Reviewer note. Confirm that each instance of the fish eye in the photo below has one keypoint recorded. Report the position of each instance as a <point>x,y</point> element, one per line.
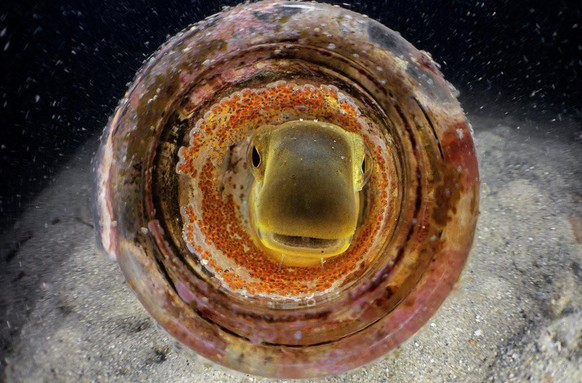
<point>255,157</point>
<point>367,166</point>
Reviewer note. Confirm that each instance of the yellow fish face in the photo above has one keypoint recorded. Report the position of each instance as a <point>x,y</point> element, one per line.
<point>305,200</point>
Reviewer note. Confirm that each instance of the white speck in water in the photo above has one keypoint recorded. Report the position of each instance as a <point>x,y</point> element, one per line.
<point>331,46</point>
<point>36,98</point>
<point>298,335</point>
<point>144,230</point>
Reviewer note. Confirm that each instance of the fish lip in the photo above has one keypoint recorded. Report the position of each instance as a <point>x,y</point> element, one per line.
<point>305,246</point>
<point>301,241</point>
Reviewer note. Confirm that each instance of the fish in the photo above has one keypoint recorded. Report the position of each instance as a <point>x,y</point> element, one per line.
<point>305,200</point>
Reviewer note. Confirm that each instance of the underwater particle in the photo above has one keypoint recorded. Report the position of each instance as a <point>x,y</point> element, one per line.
<point>268,194</point>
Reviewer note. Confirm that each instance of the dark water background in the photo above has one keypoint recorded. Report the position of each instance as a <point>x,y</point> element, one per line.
<point>65,64</point>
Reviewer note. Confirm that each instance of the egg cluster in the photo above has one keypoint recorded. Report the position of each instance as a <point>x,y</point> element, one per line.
<point>214,224</point>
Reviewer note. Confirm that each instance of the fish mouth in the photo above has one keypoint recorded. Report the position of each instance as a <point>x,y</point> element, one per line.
<point>305,246</point>
<point>306,242</point>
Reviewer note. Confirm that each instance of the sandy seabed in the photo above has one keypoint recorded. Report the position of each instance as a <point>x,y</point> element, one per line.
<point>67,315</point>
